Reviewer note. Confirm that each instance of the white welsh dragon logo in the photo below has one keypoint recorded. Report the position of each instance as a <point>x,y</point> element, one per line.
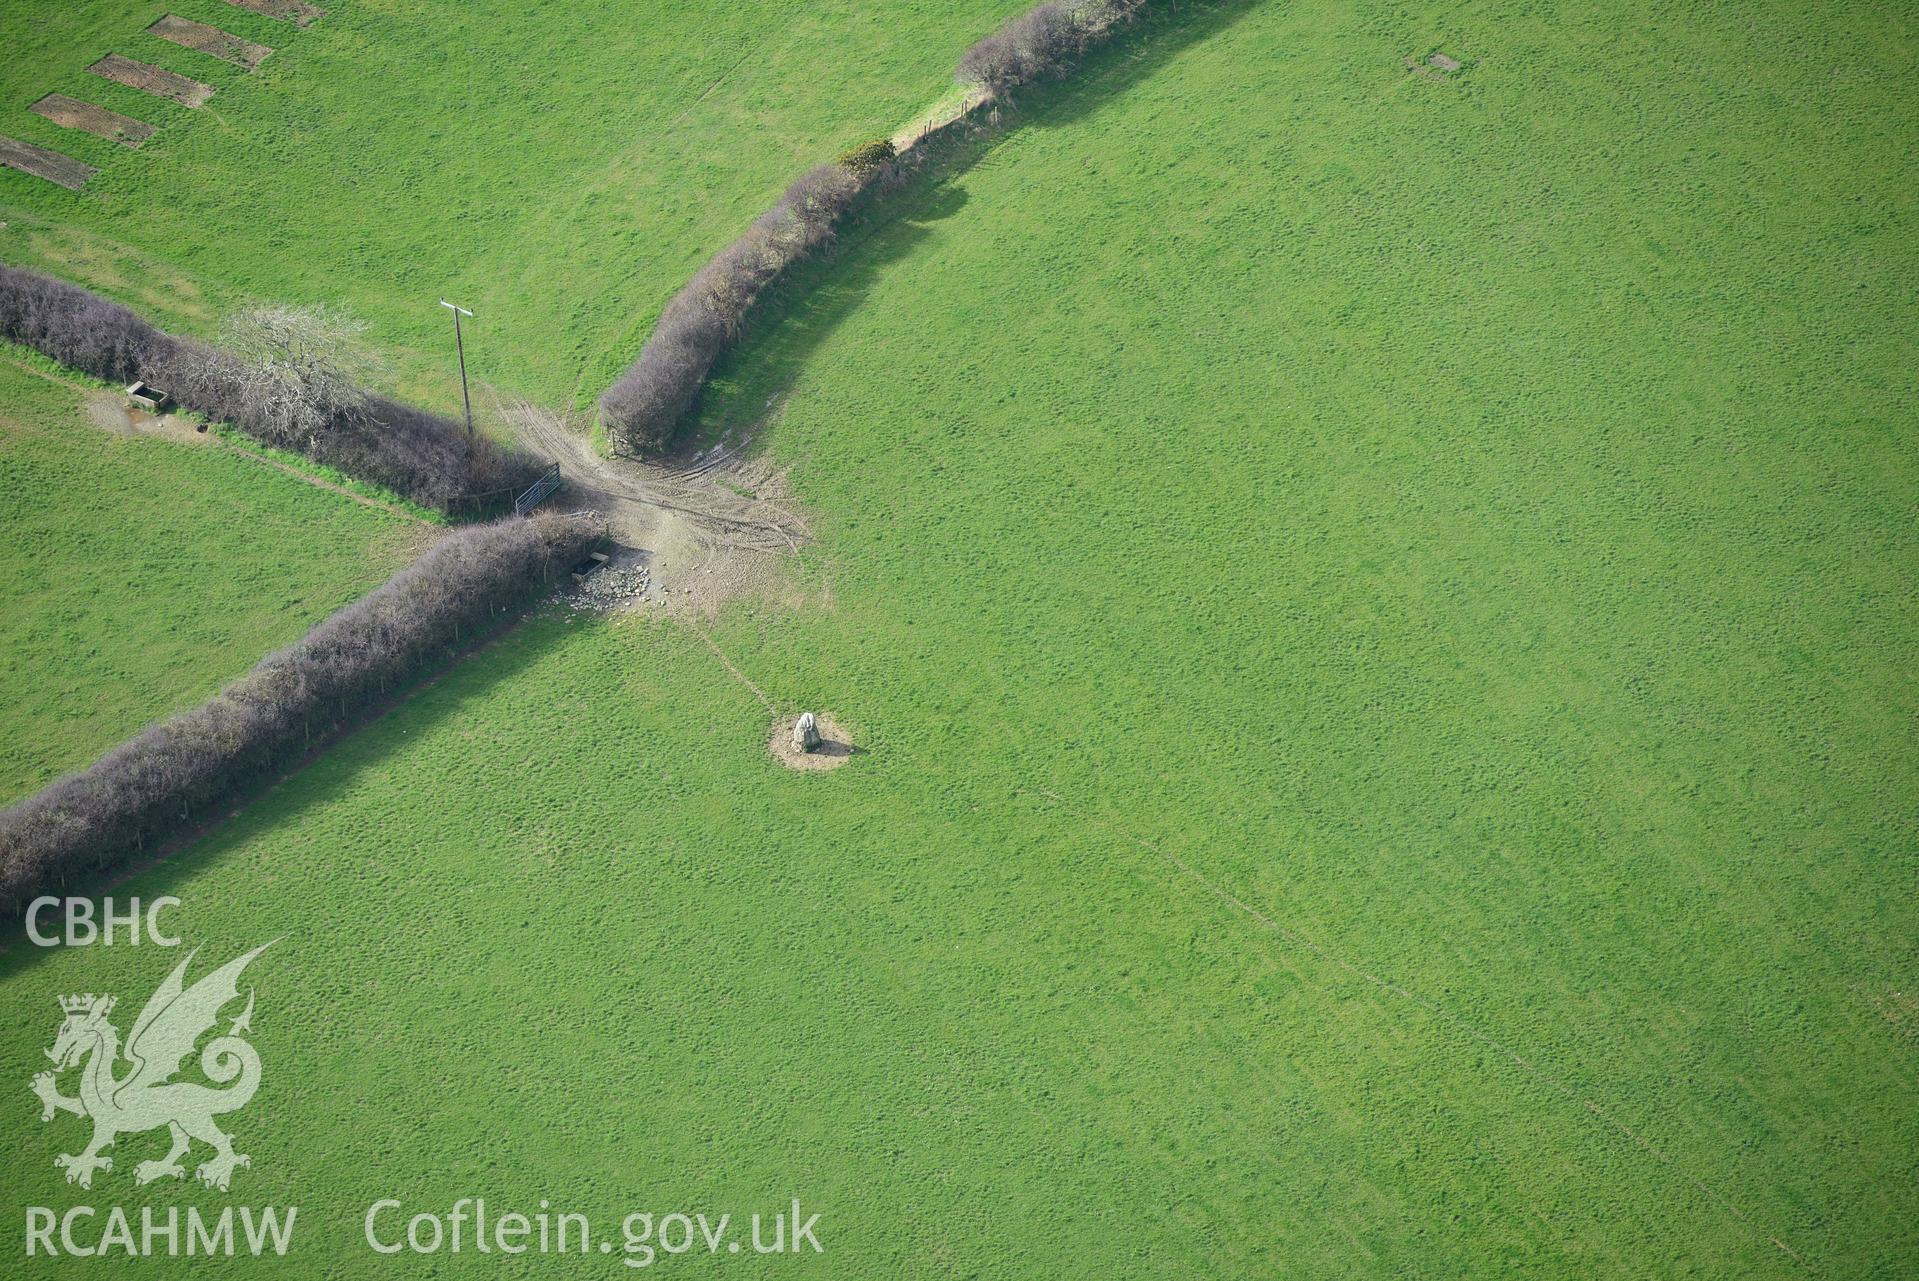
<point>146,1097</point>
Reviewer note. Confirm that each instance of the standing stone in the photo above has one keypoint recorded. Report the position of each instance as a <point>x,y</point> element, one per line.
<point>806,733</point>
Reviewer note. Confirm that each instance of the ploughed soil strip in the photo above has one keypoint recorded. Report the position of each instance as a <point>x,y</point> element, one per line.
<point>223,45</point>
<point>154,80</point>
<point>41,163</point>
<point>72,113</point>
<point>301,15</point>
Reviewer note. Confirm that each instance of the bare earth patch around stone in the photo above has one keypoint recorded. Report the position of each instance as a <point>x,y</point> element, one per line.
<point>157,81</point>
<point>1436,66</point>
<point>71,113</point>
<point>835,749</point>
<point>42,163</point>
<point>209,40</point>
<point>300,15</point>
<point>110,412</point>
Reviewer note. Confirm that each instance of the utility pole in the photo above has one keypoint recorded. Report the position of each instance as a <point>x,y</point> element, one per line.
<point>460,344</point>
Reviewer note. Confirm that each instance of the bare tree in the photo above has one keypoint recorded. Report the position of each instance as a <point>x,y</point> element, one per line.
<point>1036,43</point>
<point>296,370</point>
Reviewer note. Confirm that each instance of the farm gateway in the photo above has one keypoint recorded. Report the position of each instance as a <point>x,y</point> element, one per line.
<point>84,1232</point>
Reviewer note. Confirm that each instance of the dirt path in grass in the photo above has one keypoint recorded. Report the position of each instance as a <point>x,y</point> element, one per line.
<point>321,483</point>
<point>720,528</point>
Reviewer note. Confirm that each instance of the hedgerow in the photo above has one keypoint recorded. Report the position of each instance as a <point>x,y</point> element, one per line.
<point>78,329</point>
<point>176,773</point>
<point>1041,42</point>
<point>643,409</point>
<point>421,456</point>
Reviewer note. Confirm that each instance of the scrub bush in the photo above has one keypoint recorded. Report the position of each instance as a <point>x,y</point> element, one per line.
<point>869,156</point>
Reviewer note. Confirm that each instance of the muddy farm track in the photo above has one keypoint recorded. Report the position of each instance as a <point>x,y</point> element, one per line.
<point>711,532</point>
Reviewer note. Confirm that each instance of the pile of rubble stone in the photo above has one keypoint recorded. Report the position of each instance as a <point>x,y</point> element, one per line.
<point>610,588</point>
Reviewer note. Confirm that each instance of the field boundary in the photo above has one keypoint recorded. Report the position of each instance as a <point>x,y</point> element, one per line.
<point>772,341</point>
<point>648,404</point>
<point>108,879</point>
<point>424,457</point>
<point>147,790</point>
<point>221,439</point>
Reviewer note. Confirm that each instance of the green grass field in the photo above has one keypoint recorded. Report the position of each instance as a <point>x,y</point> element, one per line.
<point>561,175</point>
<point>137,575</point>
<point>1381,611</point>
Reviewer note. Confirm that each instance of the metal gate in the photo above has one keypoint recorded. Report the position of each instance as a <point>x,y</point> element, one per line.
<point>538,491</point>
